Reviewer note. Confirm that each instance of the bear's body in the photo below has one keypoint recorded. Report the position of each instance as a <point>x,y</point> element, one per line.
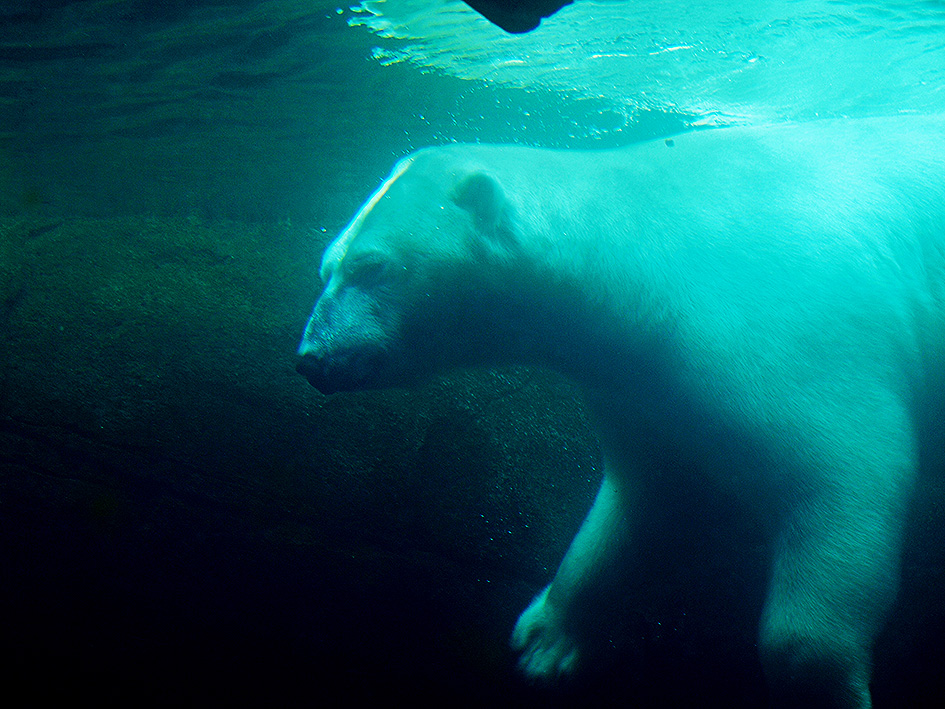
<point>764,307</point>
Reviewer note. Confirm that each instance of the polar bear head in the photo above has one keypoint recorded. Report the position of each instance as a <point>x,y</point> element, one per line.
<point>418,282</point>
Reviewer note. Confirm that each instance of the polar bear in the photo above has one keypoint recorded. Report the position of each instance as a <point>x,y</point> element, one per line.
<point>761,307</point>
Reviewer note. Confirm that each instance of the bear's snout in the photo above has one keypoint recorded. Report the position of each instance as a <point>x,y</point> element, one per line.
<point>321,376</point>
<point>310,367</point>
<point>351,372</point>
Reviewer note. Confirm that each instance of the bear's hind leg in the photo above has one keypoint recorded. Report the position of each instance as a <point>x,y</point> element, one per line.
<point>835,576</point>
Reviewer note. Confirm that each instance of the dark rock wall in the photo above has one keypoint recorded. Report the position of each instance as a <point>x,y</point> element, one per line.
<point>179,509</point>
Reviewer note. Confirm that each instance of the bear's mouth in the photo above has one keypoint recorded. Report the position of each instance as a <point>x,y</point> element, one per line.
<point>330,376</point>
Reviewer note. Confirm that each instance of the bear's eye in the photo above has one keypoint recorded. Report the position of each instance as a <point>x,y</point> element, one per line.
<point>366,271</point>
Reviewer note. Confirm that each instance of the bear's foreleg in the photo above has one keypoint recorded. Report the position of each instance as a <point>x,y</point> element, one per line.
<point>549,633</point>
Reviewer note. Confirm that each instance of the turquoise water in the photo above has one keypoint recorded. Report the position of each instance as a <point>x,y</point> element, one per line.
<point>297,108</point>
<point>722,62</point>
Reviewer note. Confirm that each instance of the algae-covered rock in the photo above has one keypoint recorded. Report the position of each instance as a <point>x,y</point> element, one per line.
<point>171,489</point>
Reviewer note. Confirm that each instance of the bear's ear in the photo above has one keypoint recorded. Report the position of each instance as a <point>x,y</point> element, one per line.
<point>481,195</point>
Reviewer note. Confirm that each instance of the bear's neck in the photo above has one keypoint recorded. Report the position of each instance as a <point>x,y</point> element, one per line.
<point>601,334</point>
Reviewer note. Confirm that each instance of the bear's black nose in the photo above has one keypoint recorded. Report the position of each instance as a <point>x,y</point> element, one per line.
<point>312,369</point>
<point>322,376</point>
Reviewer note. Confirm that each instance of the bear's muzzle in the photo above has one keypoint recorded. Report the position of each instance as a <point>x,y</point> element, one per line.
<point>314,369</point>
<point>352,371</point>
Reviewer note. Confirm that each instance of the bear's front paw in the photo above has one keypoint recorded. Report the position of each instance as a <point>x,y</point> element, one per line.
<point>548,652</point>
